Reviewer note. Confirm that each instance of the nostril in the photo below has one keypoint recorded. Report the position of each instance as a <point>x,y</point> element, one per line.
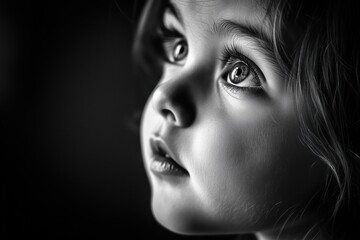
<point>169,115</point>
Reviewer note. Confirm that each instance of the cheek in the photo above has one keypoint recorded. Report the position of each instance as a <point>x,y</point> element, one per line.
<point>246,166</point>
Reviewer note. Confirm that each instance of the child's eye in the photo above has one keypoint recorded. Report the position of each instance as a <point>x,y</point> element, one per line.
<point>240,74</point>
<point>175,50</point>
<point>173,46</point>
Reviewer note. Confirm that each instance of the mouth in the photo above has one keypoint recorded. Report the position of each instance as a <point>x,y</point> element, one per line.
<point>164,161</point>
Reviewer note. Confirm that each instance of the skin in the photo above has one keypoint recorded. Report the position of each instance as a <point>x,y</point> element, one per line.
<point>248,170</point>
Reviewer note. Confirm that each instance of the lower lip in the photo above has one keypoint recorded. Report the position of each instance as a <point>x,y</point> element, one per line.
<point>164,166</point>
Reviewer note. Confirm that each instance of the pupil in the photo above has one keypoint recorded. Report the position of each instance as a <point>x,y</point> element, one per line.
<point>179,50</point>
<point>236,75</point>
<point>238,72</point>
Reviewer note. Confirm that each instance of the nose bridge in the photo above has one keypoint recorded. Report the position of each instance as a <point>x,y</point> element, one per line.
<point>192,82</point>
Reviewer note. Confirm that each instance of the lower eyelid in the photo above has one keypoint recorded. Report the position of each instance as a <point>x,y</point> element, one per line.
<point>236,92</point>
<point>241,89</point>
<point>231,88</point>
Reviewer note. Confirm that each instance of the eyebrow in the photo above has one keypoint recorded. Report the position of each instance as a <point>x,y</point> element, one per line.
<point>263,40</point>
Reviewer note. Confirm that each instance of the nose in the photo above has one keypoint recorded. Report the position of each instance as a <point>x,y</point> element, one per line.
<point>174,102</point>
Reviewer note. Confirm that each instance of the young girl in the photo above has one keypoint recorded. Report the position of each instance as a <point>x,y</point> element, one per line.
<point>253,125</point>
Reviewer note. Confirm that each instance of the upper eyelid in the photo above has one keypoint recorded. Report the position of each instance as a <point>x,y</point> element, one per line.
<point>165,32</point>
<point>231,58</point>
<point>170,10</point>
<point>169,31</point>
<point>232,53</point>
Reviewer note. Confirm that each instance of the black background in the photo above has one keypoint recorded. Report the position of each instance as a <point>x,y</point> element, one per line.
<point>70,157</point>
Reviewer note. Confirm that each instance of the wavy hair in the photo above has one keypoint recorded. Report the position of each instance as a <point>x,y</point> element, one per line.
<point>317,44</point>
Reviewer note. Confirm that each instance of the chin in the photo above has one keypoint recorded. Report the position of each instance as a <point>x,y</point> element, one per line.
<point>189,222</point>
<point>184,222</point>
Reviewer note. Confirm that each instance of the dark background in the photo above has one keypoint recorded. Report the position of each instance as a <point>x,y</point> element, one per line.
<point>70,157</point>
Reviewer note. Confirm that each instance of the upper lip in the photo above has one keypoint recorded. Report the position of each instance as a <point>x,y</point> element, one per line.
<point>158,145</point>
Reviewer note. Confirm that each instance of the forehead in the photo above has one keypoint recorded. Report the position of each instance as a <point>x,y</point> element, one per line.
<point>247,12</point>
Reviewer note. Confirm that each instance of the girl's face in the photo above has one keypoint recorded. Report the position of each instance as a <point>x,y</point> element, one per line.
<point>219,133</point>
